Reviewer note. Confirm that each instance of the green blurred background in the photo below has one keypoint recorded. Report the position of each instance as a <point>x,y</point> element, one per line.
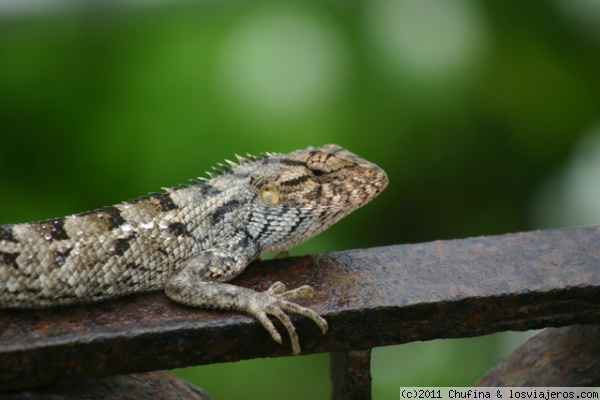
<point>486,116</point>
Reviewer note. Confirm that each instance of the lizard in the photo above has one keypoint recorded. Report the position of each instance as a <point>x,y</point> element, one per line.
<point>190,240</point>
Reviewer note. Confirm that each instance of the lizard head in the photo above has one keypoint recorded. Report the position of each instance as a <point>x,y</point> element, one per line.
<point>300,194</point>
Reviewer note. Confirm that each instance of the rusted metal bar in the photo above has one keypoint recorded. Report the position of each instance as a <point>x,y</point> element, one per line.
<point>567,356</point>
<point>370,298</point>
<point>149,385</point>
<point>351,375</point>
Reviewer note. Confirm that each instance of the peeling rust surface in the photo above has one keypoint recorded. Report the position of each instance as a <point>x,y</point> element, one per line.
<point>370,297</point>
<point>567,356</point>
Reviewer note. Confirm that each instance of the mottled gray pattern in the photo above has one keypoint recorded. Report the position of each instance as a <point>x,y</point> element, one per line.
<point>191,239</point>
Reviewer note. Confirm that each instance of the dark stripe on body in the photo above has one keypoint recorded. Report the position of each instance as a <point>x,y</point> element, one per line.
<point>287,161</point>
<point>263,230</point>
<point>122,245</point>
<point>157,202</point>
<point>296,181</point>
<point>6,234</point>
<point>58,231</point>
<point>224,210</point>
<point>319,192</point>
<point>166,202</point>
<point>137,266</point>
<point>179,229</point>
<point>297,224</point>
<point>208,190</point>
<point>111,215</point>
<point>115,219</point>
<point>10,259</point>
<point>243,242</point>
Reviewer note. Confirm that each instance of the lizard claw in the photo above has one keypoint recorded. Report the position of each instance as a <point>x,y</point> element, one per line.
<point>300,292</point>
<point>276,288</point>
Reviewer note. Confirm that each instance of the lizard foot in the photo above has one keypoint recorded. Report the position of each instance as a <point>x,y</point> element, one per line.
<point>185,288</point>
<point>275,302</point>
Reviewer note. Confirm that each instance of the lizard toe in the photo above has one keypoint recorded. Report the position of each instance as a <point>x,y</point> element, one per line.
<point>276,288</point>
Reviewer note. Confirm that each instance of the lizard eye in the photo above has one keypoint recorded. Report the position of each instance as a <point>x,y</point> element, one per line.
<point>317,172</point>
<point>269,195</point>
<point>319,169</point>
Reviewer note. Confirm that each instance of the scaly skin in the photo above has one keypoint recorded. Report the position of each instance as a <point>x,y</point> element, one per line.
<point>191,239</point>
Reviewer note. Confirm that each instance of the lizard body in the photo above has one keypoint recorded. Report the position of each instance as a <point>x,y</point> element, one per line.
<point>191,239</point>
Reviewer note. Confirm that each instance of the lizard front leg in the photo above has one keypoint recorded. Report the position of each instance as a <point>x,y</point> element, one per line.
<point>192,286</point>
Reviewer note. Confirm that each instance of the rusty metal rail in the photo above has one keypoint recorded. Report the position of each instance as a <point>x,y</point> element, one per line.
<point>371,297</point>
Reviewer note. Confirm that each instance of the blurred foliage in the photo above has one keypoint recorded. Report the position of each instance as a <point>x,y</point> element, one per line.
<point>469,107</point>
